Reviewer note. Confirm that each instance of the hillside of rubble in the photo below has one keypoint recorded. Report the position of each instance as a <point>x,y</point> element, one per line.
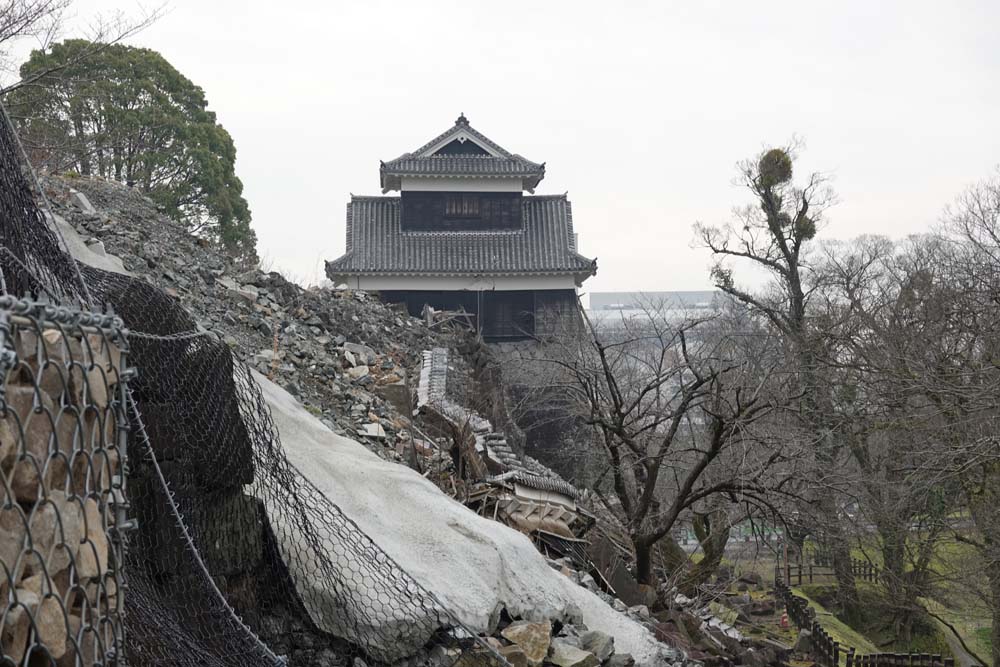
<point>357,366</point>
<point>350,359</point>
<point>353,365</point>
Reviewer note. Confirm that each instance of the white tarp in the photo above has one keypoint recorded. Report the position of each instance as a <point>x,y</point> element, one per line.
<point>475,566</point>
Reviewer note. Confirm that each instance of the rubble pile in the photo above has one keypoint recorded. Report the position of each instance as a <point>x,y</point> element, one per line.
<point>355,364</point>
<point>350,359</point>
<point>537,644</point>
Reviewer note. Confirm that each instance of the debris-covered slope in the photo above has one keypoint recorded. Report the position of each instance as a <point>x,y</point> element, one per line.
<point>340,355</point>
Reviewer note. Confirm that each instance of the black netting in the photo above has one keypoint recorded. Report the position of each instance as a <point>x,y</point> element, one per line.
<point>237,559</point>
<point>30,255</point>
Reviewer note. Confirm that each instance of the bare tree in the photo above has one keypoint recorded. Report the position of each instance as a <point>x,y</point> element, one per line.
<point>774,233</point>
<point>883,310</point>
<point>911,355</point>
<point>966,383</point>
<point>672,404</point>
<point>37,20</point>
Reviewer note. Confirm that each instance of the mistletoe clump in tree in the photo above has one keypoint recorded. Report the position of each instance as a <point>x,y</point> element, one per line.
<point>126,114</point>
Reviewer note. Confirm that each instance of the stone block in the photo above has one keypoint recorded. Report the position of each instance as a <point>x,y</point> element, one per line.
<point>564,654</point>
<point>398,395</point>
<point>533,638</point>
<point>226,526</point>
<point>600,644</point>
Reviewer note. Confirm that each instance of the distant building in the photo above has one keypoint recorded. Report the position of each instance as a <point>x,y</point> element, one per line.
<point>637,300</point>
<point>462,235</point>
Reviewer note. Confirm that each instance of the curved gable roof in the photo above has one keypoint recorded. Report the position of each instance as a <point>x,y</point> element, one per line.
<point>499,163</point>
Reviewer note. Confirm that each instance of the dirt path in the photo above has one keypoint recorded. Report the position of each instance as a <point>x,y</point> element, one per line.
<point>962,658</point>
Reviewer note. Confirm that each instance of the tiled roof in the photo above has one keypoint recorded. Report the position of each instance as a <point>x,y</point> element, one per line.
<point>422,163</point>
<point>459,165</point>
<point>536,482</point>
<point>526,470</point>
<point>376,244</point>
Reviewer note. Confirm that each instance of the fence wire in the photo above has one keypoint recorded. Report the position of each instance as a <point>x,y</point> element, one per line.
<point>237,558</point>
<point>62,515</point>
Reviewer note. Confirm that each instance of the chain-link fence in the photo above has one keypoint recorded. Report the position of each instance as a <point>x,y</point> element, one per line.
<point>63,451</point>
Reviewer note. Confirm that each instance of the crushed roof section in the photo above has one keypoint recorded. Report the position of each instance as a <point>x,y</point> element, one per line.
<point>527,471</point>
<point>432,392</point>
<point>377,244</point>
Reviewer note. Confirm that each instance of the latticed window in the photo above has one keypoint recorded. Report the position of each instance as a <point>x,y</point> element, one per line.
<point>462,205</point>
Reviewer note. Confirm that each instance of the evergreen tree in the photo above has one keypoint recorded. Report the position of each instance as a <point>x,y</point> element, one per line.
<point>126,114</point>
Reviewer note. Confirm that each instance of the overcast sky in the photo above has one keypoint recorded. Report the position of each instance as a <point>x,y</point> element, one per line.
<point>639,109</point>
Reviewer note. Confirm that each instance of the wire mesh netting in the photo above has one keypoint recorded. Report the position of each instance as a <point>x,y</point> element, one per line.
<point>62,451</point>
<point>237,558</point>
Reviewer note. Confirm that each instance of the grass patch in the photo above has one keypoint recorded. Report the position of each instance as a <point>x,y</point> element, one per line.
<point>840,631</point>
<point>952,561</point>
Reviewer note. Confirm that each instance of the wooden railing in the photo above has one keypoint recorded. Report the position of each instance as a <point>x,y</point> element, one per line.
<point>827,652</point>
<point>897,660</point>
<point>861,569</point>
<point>820,569</point>
<point>811,573</point>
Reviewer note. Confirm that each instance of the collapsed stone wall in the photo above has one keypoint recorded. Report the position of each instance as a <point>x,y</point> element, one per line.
<point>298,335</point>
<point>61,458</point>
<point>349,358</point>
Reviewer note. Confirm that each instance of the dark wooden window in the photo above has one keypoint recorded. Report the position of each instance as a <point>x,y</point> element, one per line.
<point>462,206</point>
<point>460,211</point>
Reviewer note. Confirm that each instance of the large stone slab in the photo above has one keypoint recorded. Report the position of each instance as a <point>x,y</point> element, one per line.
<point>533,638</point>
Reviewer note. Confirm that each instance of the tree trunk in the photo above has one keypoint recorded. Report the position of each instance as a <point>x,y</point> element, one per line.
<point>643,561</point>
<point>673,557</point>
<point>713,531</point>
<point>847,589</point>
<point>817,411</point>
<point>901,588</point>
<point>832,537</point>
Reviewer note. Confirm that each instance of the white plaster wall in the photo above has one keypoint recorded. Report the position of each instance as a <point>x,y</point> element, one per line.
<point>460,184</point>
<point>456,283</point>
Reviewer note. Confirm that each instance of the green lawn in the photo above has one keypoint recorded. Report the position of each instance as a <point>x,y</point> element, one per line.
<point>840,631</point>
<point>953,561</point>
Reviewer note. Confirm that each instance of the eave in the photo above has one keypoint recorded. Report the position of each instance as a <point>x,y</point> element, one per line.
<point>342,275</point>
<point>391,179</point>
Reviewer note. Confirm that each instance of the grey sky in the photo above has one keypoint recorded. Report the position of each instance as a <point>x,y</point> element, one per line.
<point>639,109</point>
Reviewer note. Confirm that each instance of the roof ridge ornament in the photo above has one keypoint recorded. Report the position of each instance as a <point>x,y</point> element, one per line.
<point>461,120</point>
